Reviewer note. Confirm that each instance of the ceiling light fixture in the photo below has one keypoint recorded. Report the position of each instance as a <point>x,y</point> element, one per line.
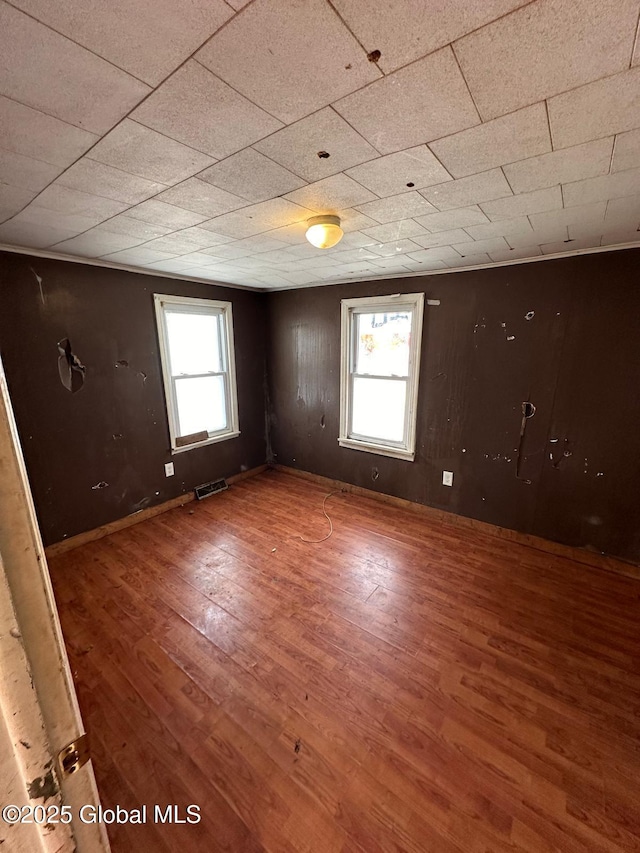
<point>323,232</point>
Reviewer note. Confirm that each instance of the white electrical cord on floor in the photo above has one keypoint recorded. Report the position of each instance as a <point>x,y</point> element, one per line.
<point>324,538</point>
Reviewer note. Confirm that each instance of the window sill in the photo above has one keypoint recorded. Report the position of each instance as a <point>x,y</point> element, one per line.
<point>379,449</point>
<point>213,440</point>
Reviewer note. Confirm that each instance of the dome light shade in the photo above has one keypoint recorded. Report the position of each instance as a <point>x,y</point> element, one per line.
<point>323,232</point>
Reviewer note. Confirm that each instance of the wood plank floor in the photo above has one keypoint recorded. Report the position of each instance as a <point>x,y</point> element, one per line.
<point>401,686</point>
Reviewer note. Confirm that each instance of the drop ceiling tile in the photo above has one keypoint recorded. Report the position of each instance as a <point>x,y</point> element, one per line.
<point>451,219</point>
<point>175,265</point>
<point>195,258</point>
<point>596,110</point>
<point>501,228</point>
<point>13,199</point>
<point>395,230</point>
<point>623,209</point>
<point>552,233</point>
<point>172,29</point>
<point>390,175</point>
<point>353,256</point>
<point>130,227</point>
<point>94,243</point>
<point>61,78</point>
<point>177,244</point>
<point>226,252</point>
<point>467,191</point>
<point>258,218</point>
<point>417,104</point>
<point>515,254</point>
<point>491,244</point>
<point>469,260</point>
<point>626,154</point>
<point>603,188</point>
<point>402,206</point>
<point>294,67</point>
<point>330,195</point>
<point>68,224</point>
<point>97,179</point>
<point>408,29</point>
<point>521,205</point>
<point>291,234</point>
<point>581,213</point>
<point>437,253</point>
<point>201,197</point>
<point>297,147</point>
<point>571,245</point>
<point>611,238</point>
<point>425,264</point>
<point>252,176</point>
<point>141,151</point>
<point>317,263</point>
<point>300,277</point>
<point>587,231</point>
<point>355,269</point>
<point>395,247</point>
<point>20,171</point>
<point>353,240</point>
<point>203,236</point>
<point>198,109</point>
<point>324,273</point>
<point>394,264</point>
<point>279,257</point>
<point>32,133</point>
<point>19,232</point>
<point>522,134</point>
<point>352,220</point>
<point>559,167</point>
<point>168,215</point>
<point>259,243</point>
<point>545,48</point>
<point>442,238</point>
<point>70,201</point>
<point>136,256</point>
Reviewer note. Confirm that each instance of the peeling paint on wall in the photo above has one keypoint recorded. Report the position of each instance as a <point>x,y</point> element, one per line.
<point>70,368</point>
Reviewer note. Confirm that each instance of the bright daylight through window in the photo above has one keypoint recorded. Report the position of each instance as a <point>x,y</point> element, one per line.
<point>196,347</point>
<point>381,339</point>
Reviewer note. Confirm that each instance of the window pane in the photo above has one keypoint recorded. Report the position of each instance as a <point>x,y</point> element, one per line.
<point>378,408</point>
<point>382,343</point>
<point>201,404</point>
<point>193,342</point>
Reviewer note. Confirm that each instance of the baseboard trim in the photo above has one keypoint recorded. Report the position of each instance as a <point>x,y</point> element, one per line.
<point>136,517</point>
<point>578,555</point>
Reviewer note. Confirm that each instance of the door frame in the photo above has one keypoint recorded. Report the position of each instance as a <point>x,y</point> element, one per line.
<point>28,593</point>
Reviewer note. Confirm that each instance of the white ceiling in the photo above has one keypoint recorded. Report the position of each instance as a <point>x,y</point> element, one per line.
<point>183,136</point>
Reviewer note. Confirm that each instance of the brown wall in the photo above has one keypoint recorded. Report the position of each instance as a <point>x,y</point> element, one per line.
<point>577,360</point>
<point>114,429</point>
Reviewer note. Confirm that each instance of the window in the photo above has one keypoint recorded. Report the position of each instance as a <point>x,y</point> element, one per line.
<point>379,378</point>
<point>198,367</point>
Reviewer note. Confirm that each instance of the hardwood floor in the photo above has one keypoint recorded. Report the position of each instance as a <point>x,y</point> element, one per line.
<point>401,686</point>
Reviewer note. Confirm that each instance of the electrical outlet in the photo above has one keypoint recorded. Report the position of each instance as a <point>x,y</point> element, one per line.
<point>168,469</point>
<point>447,478</point>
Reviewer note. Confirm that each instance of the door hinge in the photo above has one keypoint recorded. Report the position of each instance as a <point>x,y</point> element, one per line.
<point>73,756</point>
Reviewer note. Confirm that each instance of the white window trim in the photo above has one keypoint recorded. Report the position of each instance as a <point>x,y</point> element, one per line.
<point>414,302</point>
<point>206,306</point>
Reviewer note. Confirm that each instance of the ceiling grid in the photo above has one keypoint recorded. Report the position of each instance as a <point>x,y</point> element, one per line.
<point>196,137</point>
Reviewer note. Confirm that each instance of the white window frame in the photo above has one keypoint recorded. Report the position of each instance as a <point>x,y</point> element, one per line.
<point>227,358</point>
<point>414,302</point>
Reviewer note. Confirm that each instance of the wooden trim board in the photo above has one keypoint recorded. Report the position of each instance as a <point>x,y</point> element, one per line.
<point>578,555</point>
<point>136,517</point>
